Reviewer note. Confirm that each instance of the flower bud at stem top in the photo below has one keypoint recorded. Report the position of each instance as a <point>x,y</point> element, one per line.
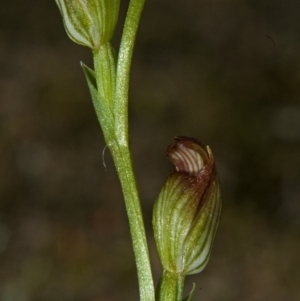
<point>187,211</point>
<point>89,22</point>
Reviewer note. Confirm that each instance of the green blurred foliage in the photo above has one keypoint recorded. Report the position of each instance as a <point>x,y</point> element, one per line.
<point>225,72</point>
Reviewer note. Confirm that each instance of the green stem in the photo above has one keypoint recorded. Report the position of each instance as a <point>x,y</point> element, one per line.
<point>113,117</point>
<point>170,287</point>
<point>105,67</point>
<point>105,76</point>
<point>125,171</point>
<point>123,69</point>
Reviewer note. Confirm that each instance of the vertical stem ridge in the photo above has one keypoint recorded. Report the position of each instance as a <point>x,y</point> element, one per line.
<point>123,68</point>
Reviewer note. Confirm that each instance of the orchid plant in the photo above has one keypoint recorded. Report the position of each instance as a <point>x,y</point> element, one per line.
<point>187,210</point>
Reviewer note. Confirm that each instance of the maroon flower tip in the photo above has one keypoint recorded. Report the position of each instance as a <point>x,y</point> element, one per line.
<point>188,154</point>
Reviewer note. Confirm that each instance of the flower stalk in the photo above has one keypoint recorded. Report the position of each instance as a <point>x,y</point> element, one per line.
<point>170,286</point>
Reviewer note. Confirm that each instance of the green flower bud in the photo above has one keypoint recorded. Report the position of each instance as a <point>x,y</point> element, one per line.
<point>187,211</point>
<point>89,22</point>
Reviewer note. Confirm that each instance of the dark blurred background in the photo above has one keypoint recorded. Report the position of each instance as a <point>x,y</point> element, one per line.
<point>225,72</point>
